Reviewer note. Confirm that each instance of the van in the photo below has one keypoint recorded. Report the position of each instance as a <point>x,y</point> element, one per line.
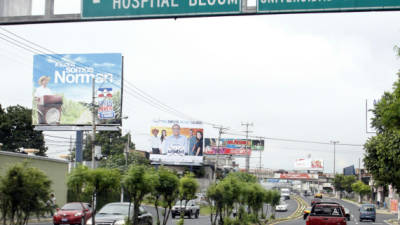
<point>367,212</point>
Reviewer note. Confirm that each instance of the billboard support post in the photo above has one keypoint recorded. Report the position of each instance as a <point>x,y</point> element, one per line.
<point>78,153</point>
<point>93,121</point>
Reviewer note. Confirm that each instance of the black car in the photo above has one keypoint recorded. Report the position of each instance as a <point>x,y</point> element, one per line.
<point>116,213</point>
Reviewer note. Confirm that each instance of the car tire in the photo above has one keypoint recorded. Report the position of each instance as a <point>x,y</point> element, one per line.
<point>173,216</point>
<point>197,214</point>
<point>361,220</point>
<point>373,220</point>
<point>190,215</point>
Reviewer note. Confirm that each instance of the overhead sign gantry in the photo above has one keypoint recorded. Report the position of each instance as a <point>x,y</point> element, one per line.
<point>19,11</point>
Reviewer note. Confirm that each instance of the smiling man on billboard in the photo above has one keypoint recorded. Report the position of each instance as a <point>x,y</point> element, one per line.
<point>175,144</point>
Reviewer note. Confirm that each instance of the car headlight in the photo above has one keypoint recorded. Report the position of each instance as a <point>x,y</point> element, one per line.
<point>56,214</point>
<point>78,214</point>
<point>119,222</point>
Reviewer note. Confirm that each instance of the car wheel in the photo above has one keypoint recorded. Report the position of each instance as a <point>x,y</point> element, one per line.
<point>361,220</point>
<point>373,220</point>
<point>173,216</point>
<point>190,215</point>
<point>197,214</point>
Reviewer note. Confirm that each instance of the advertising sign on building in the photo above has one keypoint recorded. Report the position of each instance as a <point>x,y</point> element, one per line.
<point>63,92</point>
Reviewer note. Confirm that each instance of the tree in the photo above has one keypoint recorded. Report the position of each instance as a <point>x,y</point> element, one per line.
<point>77,180</point>
<point>16,130</point>
<point>382,157</point>
<point>138,182</point>
<point>166,187</point>
<point>121,162</point>
<point>111,142</point>
<point>101,180</point>
<point>188,186</point>
<point>23,191</point>
<point>347,182</point>
<point>275,199</point>
<point>362,189</point>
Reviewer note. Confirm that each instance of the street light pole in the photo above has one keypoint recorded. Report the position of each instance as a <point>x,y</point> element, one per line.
<point>221,130</point>
<point>93,121</point>
<point>334,156</point>
<point>247,144</point>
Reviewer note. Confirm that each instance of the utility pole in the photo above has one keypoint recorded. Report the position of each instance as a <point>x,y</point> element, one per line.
<point>247,131</point>
<point>359,168</point>
<point>221,130</point>
<point>334,156</point>
<point>93,121</point>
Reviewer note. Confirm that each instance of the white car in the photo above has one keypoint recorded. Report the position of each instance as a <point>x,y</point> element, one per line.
<point>282,207</point>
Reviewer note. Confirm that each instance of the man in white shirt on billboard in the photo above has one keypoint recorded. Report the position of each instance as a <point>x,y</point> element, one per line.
<point>175,144</point>
<point>155,142</point>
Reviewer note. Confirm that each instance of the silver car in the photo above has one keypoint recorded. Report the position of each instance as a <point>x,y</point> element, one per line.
<point>116,213</point>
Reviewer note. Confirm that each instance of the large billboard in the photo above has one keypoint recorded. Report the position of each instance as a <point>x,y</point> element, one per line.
<point>176,141</point>
<point>63,93</point>
<point>230,146</point>
<point>309,164</point>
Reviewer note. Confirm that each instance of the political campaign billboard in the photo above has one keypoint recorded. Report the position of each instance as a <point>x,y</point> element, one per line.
<point>227,146</point>
<point>309,164</point>
<point>171,140</point>
<point>63,92</point>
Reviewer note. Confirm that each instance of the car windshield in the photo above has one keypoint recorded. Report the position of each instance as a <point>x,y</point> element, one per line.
<point>116,209</point>
<point>368,208</point>
<point>179,202</point>
<point>72,206</point>
<point>325,210</point>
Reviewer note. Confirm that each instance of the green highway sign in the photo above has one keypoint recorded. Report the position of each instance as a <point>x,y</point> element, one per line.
<point>293,6</point>
<point>157,8</point>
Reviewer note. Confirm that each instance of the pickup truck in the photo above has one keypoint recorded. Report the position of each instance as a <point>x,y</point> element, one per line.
<point>191,209</point>
<point>327,213</point>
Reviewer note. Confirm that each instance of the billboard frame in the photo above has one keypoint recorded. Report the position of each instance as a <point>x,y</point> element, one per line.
<point>88,127</point>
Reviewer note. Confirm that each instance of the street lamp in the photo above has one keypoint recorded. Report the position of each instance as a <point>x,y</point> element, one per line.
<point>334,156</point>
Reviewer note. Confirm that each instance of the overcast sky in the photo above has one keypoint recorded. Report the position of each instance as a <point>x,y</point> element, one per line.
<point>294,76</point>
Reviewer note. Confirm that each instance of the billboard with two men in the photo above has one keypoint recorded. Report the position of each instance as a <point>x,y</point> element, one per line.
<point>62,89</point>
<point>176,141</point>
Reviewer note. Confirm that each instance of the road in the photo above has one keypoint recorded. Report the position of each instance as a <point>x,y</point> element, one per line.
<point>205,220</point>
<point>380,218</point>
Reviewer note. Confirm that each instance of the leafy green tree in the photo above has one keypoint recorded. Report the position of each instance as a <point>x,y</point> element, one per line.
<point>121,162</point>
<point>111,142</point>
<point>77,180</point>
<point>138,182</point>
<point>188,186</point>
<point>23,191</point>
<point>275,199</point>
<point>361,189</point>
<point>347,182</point>
<point>382,158</point>
<point>16,130</point>
<point>166,187</point>
<point>101,180</point>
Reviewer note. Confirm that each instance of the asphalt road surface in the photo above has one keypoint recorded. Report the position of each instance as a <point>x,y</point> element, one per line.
<point>380,218</point>
<point>205,220</point>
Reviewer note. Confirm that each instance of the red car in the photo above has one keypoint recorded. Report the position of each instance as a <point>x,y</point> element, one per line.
<point>73,213</point>
<point>327,213</point>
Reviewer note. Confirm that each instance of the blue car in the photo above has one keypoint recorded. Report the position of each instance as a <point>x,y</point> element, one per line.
<point>367,212</point>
